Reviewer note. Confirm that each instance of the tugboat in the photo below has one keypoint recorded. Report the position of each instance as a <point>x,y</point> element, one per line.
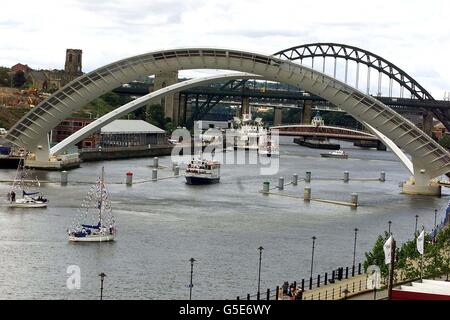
<point>22,183</point>
<point>338,154</point>
<point>202,171</point>
<point>97,208</point>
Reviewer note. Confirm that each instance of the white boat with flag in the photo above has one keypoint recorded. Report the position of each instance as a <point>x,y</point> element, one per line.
<point>28,188</point>
<point>98,223</point>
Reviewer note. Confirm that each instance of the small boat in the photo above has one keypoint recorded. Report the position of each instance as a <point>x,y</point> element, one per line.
<point>202,171</point>
<point>338,154</point>
<point>96,207</point>
<point>23,183</point>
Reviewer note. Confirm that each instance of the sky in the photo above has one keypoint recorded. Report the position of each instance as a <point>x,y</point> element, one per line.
<point>413,34</point>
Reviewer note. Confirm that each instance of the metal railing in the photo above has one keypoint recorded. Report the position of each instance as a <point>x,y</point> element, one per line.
<point>314,283</point>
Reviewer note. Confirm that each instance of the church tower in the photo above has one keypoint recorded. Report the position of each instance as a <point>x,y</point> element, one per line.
<point>73,62</point>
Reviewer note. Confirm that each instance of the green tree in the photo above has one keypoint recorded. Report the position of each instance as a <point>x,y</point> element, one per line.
<point>19,79</point>
<point>445,141</point>
<point>376,256</point>
<point>5,79</point>
<point>156,116</point>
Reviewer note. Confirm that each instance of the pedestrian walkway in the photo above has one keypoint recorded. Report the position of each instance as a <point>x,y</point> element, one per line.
<point>339,289</point>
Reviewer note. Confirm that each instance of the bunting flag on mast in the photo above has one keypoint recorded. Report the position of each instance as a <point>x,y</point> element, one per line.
<point>420,242</point>
<point>388,250</point>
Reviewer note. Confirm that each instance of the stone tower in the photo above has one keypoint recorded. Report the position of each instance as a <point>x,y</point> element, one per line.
<point>73,62</point>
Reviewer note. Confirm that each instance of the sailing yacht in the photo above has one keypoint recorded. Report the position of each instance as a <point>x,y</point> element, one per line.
<point>98,222</point>
<point>24,185</point>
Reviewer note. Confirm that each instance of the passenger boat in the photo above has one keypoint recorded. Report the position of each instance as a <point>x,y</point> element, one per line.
<point>96,212</point>
<point>24,184</point>
<point>247,132</point>
<point>202,171</point>
<point>338,154</point>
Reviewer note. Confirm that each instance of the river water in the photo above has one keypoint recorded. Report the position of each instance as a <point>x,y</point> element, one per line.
<point>163,224</point>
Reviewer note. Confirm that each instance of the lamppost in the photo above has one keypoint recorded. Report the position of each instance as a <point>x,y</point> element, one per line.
<point>102,277</point>
<point>354,250</point>
<point>192,260</point>
<point>389,231</point>
<point>312,256</point>
<point>415,232</point>
<point>259,270</point>
<point>435,217</point>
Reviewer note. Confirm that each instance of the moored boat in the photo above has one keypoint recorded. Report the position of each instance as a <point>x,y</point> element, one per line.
<point>338,154</point>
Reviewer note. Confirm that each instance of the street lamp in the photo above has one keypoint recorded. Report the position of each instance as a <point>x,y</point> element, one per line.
<point>259,270</point>
<point>312,256</point>
<point>435,217</point>
<point>389,231</point>
<point>354,250</point>
<point>192,260</point>
<point>415,232</point>
<point>102,277</point>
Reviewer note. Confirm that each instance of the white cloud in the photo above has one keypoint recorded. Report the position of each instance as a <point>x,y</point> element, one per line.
<point>411,34</point>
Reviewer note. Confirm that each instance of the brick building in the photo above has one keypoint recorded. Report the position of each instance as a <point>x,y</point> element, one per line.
<point>72,125</point>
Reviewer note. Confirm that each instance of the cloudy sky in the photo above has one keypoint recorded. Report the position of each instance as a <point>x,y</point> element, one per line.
<point>413,34</point>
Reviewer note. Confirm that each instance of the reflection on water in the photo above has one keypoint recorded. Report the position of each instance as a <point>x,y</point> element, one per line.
<point>163,224</point>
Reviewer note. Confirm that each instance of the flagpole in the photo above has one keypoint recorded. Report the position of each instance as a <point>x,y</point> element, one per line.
<point>391,275</point>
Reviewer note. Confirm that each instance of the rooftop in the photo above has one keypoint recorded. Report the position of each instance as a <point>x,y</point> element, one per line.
<point>130,126</point>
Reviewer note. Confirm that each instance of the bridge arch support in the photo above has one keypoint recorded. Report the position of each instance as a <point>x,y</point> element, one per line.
<point>429,158</point>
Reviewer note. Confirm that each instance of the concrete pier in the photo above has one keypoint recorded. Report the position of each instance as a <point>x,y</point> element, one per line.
<point>155,162</point>
<point>346,176</point>
<point>176,171</point>
<point>129,179</point>
<point>308,176</point>
<point>295,179</point>
<point>354,199</point>
<point>64,178</point>
<point>383,176</point>
<point>307,194</point>
<point>266,187</point>
<point>155,174</point>
<point>281,183</point>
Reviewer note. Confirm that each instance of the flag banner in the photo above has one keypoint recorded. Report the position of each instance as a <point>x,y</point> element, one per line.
<point>420,242</point>
<point>388,250</point>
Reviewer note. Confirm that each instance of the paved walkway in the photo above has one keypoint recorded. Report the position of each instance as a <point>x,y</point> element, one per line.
<point>338,290</point>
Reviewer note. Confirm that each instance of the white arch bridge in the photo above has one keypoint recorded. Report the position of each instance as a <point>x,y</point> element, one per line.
<point>429,159</point>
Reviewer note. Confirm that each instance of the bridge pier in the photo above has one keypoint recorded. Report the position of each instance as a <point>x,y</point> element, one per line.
<point>245,106</point>
<point>427,123</point>
<point>307,112</point>
<point>423,181</point>
<point>170,102</point>
<point>277,117</point>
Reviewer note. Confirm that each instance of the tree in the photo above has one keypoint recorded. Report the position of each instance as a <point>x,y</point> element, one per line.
<point>156,116</point>
<point>376,256</point>
<point>445,141</point>
<point>19,79</point>
<point>5,78</point>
